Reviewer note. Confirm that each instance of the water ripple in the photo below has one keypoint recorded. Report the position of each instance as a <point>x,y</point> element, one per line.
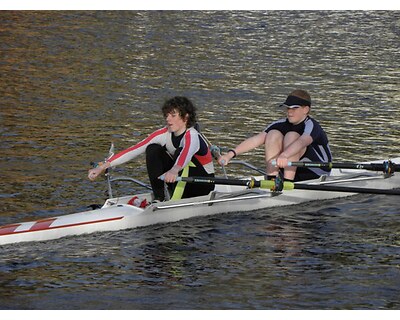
<point>72,82</point>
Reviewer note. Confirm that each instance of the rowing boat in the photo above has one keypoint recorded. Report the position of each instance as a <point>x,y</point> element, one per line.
<point>119,213</point>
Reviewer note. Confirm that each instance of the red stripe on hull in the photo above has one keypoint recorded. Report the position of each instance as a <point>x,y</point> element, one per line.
<point>8,229</point>
<point>44,225</point>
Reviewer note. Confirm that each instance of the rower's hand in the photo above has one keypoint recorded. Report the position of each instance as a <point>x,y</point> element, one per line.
<point>171,175</point>
<point>224,159</point>
<point>95,172</point>
<point>282,162</point>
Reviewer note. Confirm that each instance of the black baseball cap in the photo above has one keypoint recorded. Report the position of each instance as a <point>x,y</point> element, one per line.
<point>295,102</point>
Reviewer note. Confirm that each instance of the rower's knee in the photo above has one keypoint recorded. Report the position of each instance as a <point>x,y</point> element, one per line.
<point>290,137</point>
<point>273,137</point>
<point>153,150</point>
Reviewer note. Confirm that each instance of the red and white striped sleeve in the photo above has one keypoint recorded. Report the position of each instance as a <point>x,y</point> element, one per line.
<point>158,137</point>
<point>190,145</point>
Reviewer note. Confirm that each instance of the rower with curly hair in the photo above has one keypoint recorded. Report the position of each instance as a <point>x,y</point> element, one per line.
<point>171,150</point>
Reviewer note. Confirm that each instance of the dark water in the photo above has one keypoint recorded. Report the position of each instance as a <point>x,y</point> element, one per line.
<point>72,82</point>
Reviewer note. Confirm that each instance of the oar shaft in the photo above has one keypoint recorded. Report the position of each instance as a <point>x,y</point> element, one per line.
<point>269,184</point>
<point>263,184</point>
<point>346,189</point>
<point>385,166</point>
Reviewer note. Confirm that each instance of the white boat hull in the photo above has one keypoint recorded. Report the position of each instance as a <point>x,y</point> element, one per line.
<point>116,214</point>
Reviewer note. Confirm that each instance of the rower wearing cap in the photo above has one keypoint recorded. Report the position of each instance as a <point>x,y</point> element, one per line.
<point>298,137</point>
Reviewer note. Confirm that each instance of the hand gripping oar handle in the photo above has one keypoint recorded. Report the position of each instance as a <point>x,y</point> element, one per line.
<point>215,150</point>
<point>387,167</point>
<point>216,153</point>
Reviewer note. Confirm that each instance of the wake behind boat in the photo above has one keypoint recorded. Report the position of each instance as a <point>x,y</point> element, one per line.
<point>237,195</point>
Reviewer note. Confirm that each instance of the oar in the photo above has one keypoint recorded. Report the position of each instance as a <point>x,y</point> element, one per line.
<point>387,167</point>
<point>331,188</point>
<point>270,184</point>
<point>263,184</point>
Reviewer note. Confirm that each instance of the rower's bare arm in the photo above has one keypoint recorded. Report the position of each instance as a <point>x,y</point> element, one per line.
<point>245,146</point>
<point>251,143</point>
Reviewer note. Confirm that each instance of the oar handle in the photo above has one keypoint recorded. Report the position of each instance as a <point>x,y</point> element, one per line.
<point>290,163</point>
<point>215,151</point>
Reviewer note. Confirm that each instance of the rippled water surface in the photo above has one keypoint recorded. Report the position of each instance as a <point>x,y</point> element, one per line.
<point>72,82</point>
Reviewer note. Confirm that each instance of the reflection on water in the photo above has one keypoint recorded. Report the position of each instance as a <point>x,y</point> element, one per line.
<point>72,82</point>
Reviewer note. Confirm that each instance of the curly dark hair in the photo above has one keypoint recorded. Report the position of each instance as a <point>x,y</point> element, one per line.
<point>184,107</point>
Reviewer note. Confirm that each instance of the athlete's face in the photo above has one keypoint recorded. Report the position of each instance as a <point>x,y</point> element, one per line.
<point>297,114</point>
<point>175,122</point>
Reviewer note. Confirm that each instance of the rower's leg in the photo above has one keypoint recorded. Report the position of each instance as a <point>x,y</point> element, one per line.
<point>289,138</point>
<point>158,162</point>
<point>273,147</point>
